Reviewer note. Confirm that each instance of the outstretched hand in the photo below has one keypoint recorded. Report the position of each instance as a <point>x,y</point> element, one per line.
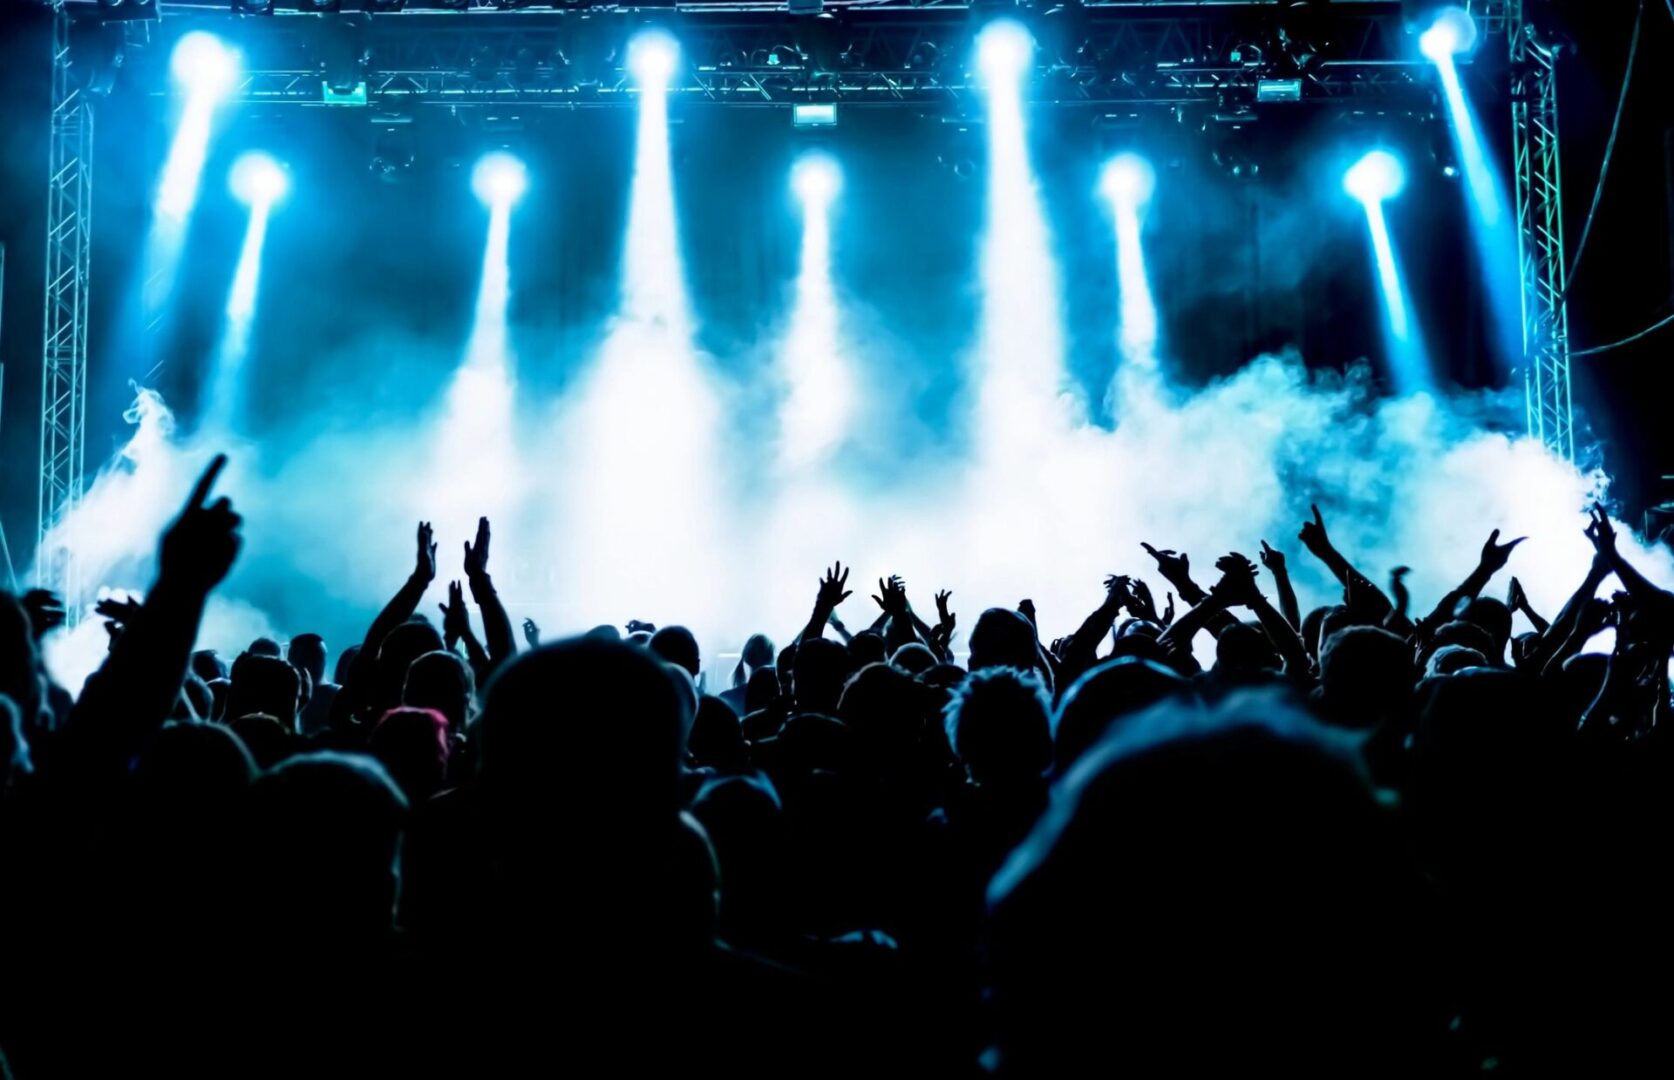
<point>1601,533</point>
<point>476,555</point>
<point>1313,534</point>
<point>1168,612</point>
<point>1118,592</point>
<point>1238,581</point>
<point>1495,554</point>
<point>119,612</point>
<point>942,613</point>
<point>531,633</point>
<point>1515,598</point>
<point>1141,603</point>
<point>891,596</point>
<point>1026,608</point>
<point>833,588</point>
<point>424,562</point>
<point>1273,559</point>
<point>199,548</point>
<point>456,620</point>
<point>1172,565</point>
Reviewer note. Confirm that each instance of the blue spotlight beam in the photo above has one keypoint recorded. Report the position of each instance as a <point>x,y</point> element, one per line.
<point>1128,181</point>
<point>1408,363</point>
<point>819,393</point>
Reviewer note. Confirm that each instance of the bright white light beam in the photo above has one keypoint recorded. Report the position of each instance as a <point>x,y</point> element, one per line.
<point>1021,346</point>
<point>1452,34</point>
<point>206,69</point>
<point>1128,182</point>
<point>257,181</point>
<point>820,394</point>
<point>1373,180</point>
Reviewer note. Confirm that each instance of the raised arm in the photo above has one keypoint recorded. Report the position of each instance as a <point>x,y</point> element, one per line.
<point>1175,568</point>
<point>1274,560</point>
<point>358,681</point>
<point>1492,560</point>
<point>496,624</point>
<point>1081,650</point>
<point>456,631</point>
<point>1318,542</point>
<point>899,625</point>
<point>131,696</point>
<point>833,591</point>
<point>1238,586</point>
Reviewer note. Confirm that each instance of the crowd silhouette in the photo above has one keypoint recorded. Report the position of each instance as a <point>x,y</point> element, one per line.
<point>1365,840</point>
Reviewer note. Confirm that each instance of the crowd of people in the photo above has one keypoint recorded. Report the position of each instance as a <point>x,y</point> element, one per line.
<point>1366,840</point>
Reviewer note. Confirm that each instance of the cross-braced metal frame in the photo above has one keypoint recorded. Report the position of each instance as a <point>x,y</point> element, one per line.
<point>64,352</point>
<point>1540,235</point>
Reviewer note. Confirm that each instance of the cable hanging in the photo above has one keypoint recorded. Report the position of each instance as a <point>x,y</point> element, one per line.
<point>1609,146</point>
<point>1647,332</point>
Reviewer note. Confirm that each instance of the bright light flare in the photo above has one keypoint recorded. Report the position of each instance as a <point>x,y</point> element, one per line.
<point>204,64</point>
<point>652,56</point>
<point>257,180</point>
<point>1452,33</point>
<point>499,179</point>
<point>1004,49</point>
<point>1376,177</point>
<point>1128,179</point>
<point>816,179</point>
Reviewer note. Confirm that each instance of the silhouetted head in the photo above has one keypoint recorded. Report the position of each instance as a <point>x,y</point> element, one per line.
<point>1580,680</point>
<point>1312,623</point>
<point>218,692</point>
<point>614,750</point>
<point>822,667</point>
<point>1004,638</point>
<point>998,724</point>
<point>323,843</point>
<point>208,665</point>
<point>197,697</point>
<point>785,668</point>
<point>883,704</point>
<point>639,639</point>
<point>308,652</point>
<point>1334,621</point>
<point>746,827</point>
<point>717,738</point>
<point>761,689</point>
<point>1453,658</point>
<point>867,647</point>
<point>193,771</point>
<point>400,648</point>
<point>1466,634</point>
<point>1094,702</point>
<point>441,681</point>
<point>913,658</point>
<point>1190,866</point>
<point>1138,647</point>
<point>1243,650</point>
<point>265,647</point>
<point>677,645</point>
<point>345,661</point>
<point>413,746</point>
<point>604,632</point>
<point>265,684</point>
<point>1494,617</point>
<point>1366,674</point>
<point>268,740</point>
<point>758,651</point>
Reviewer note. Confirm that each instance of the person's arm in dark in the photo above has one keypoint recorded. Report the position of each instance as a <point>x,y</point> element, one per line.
<point>833,591</point>
<point>1177,639</point>
<point>1558,632</point>
<point>1082,649</point>
<point>456,631</point>
<point>839,629</point>
<point>1175,567</point>
<point>1593,617</point>
<point>1274,560</point>
<point>1518,600</point>
<point>1603,535</point>
<point>1318,542</point>
<point>496,624</point>
<point>1493,559</point>
<point>899,626</point>
<point>357,681</point>
<point>133,693</point>
<point>1238,586</point>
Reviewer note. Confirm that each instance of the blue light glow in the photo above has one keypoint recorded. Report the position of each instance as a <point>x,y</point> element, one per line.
<point>257,179</point>
<point>1452,33</point>
<point>816,179</point>
<point>1128,181</point>
<point>1376,177</point>
<point>1004,49</point>
<point>204,65</point>
<point>499,179</point>
<point>652,55</point>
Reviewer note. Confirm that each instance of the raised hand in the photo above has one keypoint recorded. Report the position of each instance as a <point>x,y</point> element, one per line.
<point>1141,603</point>
<point>1118,592</point>
<point>1601,532</point>
<point>891,596</point>
<point>531,633</point>
<point>122,612</point>
<point>199,548</point>
<point>1495,554</point>
<point>1515,598</point>
<point>1273,559</point>
<point>1026,608</point>
<point>456,620</point>
<point>1168,612</point>
<point>45,610</point>
<point>424,562</point>
<point>942,613</point>
<point>1313,534</point>
<point>1398,589</point>
<point>1170,564</point>
<point>476,555</point>
<point>1238,581</point>
<point>833,588</point>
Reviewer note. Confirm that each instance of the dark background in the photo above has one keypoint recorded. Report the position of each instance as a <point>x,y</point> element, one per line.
<point>368,285</point>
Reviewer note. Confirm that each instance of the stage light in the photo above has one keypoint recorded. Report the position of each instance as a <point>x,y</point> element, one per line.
<point>823,114</point>
<point>1453,32</point>
<point>499,179</point>
<point>1376,177</point>
<point>257,179</point>
<point>1128,179</point>
<point>1279,90</point>
<point>203,64</point>
<point>816,179</point>
<point>652,55</point>
<point>1004,48</point>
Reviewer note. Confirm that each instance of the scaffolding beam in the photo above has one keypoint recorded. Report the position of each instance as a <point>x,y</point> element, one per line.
<point>64,339</point>
<point>1540,235</point>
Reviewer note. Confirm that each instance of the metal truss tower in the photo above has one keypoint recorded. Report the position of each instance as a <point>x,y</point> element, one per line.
<point>64,349</point>
<point>1540,234</point>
